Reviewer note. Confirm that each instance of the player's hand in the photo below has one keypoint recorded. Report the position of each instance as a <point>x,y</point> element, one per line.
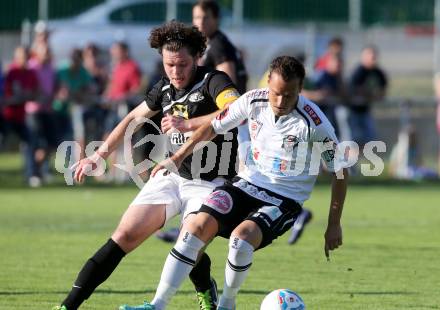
<point>174,123</point>
<point>83,168</point>
<point>169,165</point>
<point>333,238</point>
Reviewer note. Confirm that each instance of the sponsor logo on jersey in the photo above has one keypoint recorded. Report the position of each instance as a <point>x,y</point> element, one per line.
<point>196,97</point>
<point>178,138</point>
<point>180,110</point>
<point>220,201</point>
<point>256,153</point>
<point>254,127</point>
<point>315,118</point>
<point>289,143</point>
<point>279,165</point>
<point>257,93</point>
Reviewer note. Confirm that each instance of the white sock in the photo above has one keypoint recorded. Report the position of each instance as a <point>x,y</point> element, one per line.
<point>177,267</point>
<point>237,267</point>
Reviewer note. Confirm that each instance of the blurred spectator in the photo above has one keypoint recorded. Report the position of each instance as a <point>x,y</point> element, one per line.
<point>331,90</point>
<point>335,47</point>
<point>95,66</point>
<point>94,115</point>
<point>220,53</point>
<point>73,92</point>
<point>124,85</point>
<point>41,37</point>
<point>123,92</point>
<point>368,85</point>
<point>21,86</point>
<point>39,116</point>
<point>1,81</point>
<point>2,125</point>
<point>437,97</point>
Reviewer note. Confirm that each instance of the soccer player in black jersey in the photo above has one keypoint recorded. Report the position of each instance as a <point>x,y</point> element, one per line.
<point>188,95</point>
<point>220,55</point>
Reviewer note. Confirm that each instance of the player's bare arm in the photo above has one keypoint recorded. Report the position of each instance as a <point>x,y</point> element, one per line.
<point>111,143</point>
<point>170,122</point>
<point>333,234</point>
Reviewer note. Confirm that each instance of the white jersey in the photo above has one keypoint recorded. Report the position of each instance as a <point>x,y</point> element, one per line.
<point>282,156</point>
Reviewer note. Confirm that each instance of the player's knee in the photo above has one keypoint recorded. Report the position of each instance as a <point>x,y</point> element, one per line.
<point>203,226</point>
<point>128,240</point>
<point>250,232</point>
<point>243,234</point>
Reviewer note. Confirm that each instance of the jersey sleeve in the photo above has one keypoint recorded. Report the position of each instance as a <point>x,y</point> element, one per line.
<point>153,97</point>
<point>222,90</point>
<point>232,116</point>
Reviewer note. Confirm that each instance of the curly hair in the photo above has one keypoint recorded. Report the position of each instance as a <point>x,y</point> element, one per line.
<point>288,67</point>
<point>175,35</point>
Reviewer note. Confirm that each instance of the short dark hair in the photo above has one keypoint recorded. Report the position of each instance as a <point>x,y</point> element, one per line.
<point>288,67</point>
<point>208,5</point>
<point>336,41</point>
<point>175,35</point>
<point>123,45</point>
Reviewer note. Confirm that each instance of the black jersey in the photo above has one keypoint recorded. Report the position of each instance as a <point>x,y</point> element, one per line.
<point>197,99</point>
<point>220,50</point>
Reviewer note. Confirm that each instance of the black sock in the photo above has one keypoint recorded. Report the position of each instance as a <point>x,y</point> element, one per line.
<point>95,271</point>
<point>200,275</point>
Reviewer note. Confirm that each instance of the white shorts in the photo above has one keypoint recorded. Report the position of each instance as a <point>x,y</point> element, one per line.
<point>180,195</point>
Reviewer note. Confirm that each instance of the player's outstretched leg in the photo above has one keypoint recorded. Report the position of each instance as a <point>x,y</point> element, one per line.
<point>95,271</point>
<point>182,258</point>
<point>245,238</point>
<point>237,267</point>
<point>137,224</point>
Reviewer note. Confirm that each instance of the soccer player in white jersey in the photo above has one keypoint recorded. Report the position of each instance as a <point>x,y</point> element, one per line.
<point>263,201</point>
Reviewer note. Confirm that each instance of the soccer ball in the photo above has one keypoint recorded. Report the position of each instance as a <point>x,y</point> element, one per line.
<point>282,299</point>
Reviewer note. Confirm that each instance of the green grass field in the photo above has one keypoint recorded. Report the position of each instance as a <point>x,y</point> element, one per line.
<point>389,260</point>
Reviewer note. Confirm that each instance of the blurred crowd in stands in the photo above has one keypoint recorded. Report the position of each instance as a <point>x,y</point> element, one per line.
<point>85,99</point>
<point>81,101</point>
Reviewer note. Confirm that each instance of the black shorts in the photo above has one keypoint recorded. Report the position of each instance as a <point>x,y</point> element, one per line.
<point>236,201</point>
